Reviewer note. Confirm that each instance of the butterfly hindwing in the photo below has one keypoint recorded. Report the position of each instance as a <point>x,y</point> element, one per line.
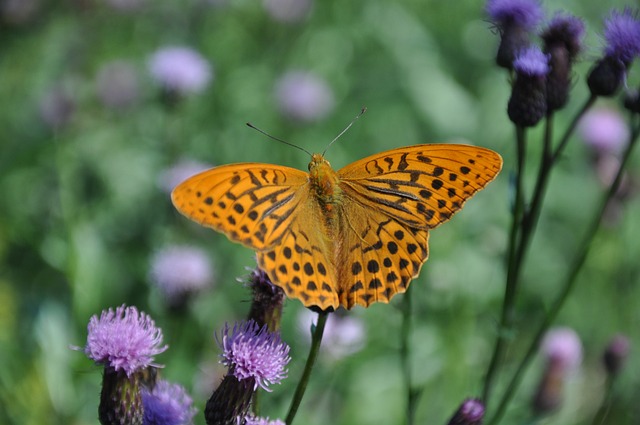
<point>421,186</point>
<point>252,203</point>
<point>302,263</point>
<point>380,256</point>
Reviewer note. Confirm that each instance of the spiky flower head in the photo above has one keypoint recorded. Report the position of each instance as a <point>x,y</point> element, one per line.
<point>470,412</point>
<point>528,104</point>
<point>267,300</point>
<point>523,13</point>
<point>167,404</point>
<point>622,36</point>
<point>562,43</point>
<point>252,352</point>
<point>514,19</point>
<point>123,340</point>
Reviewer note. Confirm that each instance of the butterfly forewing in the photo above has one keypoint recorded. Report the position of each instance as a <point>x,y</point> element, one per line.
<point>421,186</point>
<point>251,203</point>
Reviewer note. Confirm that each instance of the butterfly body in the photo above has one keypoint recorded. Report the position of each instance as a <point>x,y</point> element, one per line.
<point>340,238</point>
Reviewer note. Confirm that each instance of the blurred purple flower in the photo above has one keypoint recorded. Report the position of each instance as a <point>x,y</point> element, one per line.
<point>562,350</point>
<point>288,11</point>
<point>126,5</point>
<point>562,346</point>
<point>124,340</point>
<point>57,108</point>
<point>179,172</point>
<point>470,412</point>
<point>616,354</point>
<point>179,271</point>
<point>254,420</point>
<point>251,352</point>
<point>167,404</point>
<point>117,85</point>
<point>343,335</point>
<point>604,130</point>
<point>180,70</point>
<point>303,96</point>
<point>19,12</point>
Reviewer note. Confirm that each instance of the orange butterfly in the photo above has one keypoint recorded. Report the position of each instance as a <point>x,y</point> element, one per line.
<point>355,236</point>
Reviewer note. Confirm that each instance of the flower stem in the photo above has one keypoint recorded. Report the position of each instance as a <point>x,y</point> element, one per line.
<point>411,393</point>
<point>568,286</point>
<point>316,339</point>
<point>506,320</point>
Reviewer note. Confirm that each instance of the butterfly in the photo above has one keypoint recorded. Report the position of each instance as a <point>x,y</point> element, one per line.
<point>330,238</point>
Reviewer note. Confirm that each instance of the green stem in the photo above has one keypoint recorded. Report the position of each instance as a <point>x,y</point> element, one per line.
<point>569,131</point>
<point>568,286</point>
<point>405,332</point>
<point>506,319</point>
<point>316,339</point>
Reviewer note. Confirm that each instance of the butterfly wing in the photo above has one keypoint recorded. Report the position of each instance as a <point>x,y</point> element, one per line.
<point>391,200</point>
<point>420,186</point>
<point>251,203</point>
<point>302,263</point>
<point>379,255</point>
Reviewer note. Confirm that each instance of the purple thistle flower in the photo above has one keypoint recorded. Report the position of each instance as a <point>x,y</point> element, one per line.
<point>562,42</point>
<point>531,62</point>
<point>167,404</point>
<point>622,35</point>
<point>303,96</point>
<point>253,352</point>
<point>267,300</point>
<point>470,412</point>
<point>528,103</point>
<point>514,19</point>
<point>522,13</point>
<point>254,420</point>
<point>566,30</point>
<point>124,340</point>
<point>180,70</point>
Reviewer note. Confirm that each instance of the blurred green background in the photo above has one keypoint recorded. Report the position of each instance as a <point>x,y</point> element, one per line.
<point>85,204</point>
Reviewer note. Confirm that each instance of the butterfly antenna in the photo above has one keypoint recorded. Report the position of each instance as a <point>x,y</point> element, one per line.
<point>362,111</point>
<point>276,139</point>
